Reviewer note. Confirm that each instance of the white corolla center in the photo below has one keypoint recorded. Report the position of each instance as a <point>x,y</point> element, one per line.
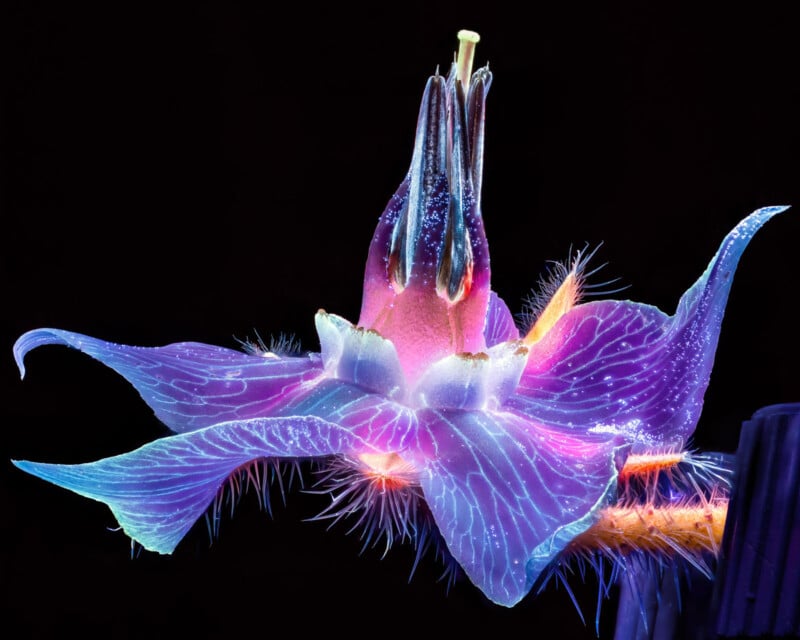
<point>460,381</point>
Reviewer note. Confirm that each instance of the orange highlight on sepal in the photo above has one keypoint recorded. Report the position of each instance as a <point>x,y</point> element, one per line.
<point>646,464</point>
<point>564,299</point>
<point>388,470</point>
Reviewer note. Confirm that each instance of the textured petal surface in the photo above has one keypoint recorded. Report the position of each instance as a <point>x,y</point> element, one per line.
<point>385,424</point>
<point>508,494</point>
<point>158,491</point>
<point>499,325</point>
<point>190,385</point>
<point>628,367</point>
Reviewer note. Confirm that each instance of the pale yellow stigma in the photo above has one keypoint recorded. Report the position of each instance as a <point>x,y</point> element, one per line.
<point>466,55</point>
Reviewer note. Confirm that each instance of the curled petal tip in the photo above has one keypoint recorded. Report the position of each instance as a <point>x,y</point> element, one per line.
<point>19,355</point>
<point>28,342</point>
<point>514,445</point>
<point>20,366</point>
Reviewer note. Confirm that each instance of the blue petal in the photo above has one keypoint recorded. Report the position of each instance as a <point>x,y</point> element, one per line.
<point>386,424</point>
<point>508,495</point>
<point>628,367</point>
<point>158,491</point>
<point>191,385</point>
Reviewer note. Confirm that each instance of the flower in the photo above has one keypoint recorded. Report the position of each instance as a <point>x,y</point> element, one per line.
<point>513,441</point>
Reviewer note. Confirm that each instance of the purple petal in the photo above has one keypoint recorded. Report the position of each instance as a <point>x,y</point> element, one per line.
<point>499,325</point>
<point>191,385</point>
<point>628,367</point>
<point>383,423</point>
<point>158,491</point>
<point>507,495</point>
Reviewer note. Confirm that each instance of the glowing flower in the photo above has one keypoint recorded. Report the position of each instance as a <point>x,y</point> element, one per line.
<point>510,444</point>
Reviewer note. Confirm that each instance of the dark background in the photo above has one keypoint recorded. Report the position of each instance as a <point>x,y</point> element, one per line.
<point>173,174</point>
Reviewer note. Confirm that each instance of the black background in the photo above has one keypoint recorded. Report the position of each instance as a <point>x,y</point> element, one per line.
<point>206,172</point>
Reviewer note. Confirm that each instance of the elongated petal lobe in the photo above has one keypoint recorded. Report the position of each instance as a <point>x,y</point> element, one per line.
<point>191,385</point>
<point>158,491</point>
<point>628,367</point>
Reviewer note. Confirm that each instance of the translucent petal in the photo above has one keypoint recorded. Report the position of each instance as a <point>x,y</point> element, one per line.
<point>158,491</point>
<point>628,367</point>
<point>191,385</point>
<point>499,325</point>
<point>508,494</point>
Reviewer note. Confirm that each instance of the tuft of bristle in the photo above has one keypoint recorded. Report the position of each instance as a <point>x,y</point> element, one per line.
<point>662,478</point>
<point>669,517</point>
<point>256,476</point>
<point>557,273</point>
<point>385,504</point>
<point>691,531</point>
<point>384,508</point>
<point>284,345</point>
